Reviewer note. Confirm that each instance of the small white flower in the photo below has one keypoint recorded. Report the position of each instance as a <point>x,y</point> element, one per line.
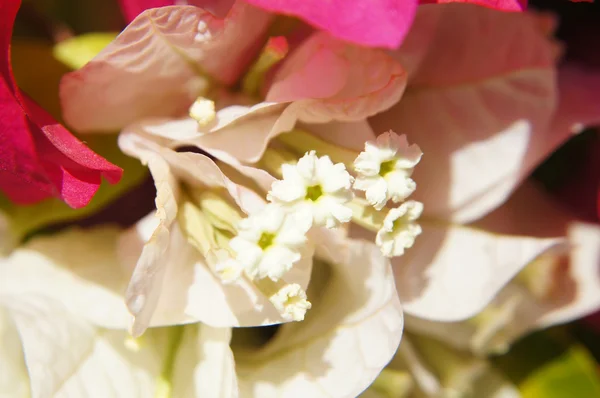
<point>268,243</point>
<point>291,302</point>
<point>316,186</point>
<point>384,169</point>
<point>399,229</point>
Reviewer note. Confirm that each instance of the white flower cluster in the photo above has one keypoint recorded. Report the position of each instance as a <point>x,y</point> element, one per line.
<point>317,192</point>
<point>383,172</point>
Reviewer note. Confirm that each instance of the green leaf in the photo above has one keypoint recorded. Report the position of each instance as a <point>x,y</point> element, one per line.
<point>27,219</point>
<point>572,374</point>
<point>78,51</point>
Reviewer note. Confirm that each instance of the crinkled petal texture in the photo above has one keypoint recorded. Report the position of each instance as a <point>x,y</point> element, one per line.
<point>171,283</point>
<point>132,8</point>
<point>373,23</point>
<point>480,117</point>
<point>348,336</point>
<point>503,5</point>
<point>323,81</point>
<point>155,66</point>
<point>39,158</point>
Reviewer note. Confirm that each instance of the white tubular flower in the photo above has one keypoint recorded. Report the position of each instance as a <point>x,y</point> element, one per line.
<point>384,169</point>
<point>291,302</point>
<point>318,186</point>
<point>226,267</point>
<point>399,229</point>
<point>268,243</point>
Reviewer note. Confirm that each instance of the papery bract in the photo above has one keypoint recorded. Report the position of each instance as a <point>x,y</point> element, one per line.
<point>323,82</point>
<point>52,267</point>
<point>354,329</point>
<point>132,8</point>
<point>172,282</point>
<point>376,23</point>
<point>333,80</point>
<point>503,5</point>
<point>97,365</point>
<point>39,158</point>
<point>155,66</point>
<point>470,109</point>
<point>560,285</point>
<point>37,330</point>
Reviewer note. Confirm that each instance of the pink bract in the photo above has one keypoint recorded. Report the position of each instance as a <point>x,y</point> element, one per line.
<point>39,158</point>
<point>132,8</point>
<point>503,5</point>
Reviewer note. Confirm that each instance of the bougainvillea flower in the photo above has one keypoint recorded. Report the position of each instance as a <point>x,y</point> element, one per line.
<point>173,279</point>
<point>355,327</point>
<point>319,87</point>
<point>39,157</point>
<point>483,117</point>
<point>560,285</point>
<point>477,158</point>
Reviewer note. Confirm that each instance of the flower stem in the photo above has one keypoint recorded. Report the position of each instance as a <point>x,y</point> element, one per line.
<point>164,384</point>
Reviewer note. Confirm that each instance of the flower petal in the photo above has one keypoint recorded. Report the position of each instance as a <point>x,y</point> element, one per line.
<point>376,23</point>
<point>52,266</point>
<point>97,364</point>
<point>560,284</point>
<point>481,118</point>
<point>40,158</point>
<point>153,67</point>
<point>132,8</point>
<point>332,80</point>
<point>348,336</point>
<point>190,292</point>
<point>145,285</point>
<point>14,381</point>
<point>452,271</point>
<point>503,5</point>
<point>564,286</point>
<point>579,100</point>
<point>204,366</point>
<point>171,284</point>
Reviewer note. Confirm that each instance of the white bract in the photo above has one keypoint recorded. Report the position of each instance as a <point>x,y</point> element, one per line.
<point>268,242</point>
<point>317,186</point>
<point>384,169</point>
<point>399,229</point>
